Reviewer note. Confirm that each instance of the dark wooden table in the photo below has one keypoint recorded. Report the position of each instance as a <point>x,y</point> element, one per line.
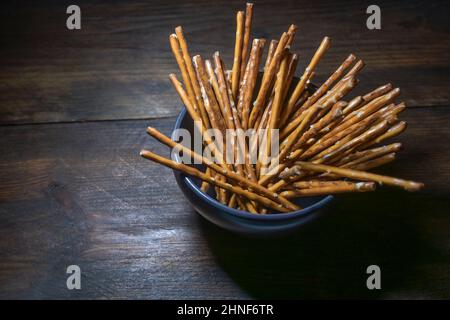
<point>74,106</point>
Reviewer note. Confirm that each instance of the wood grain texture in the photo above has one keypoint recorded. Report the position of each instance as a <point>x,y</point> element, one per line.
<point>116,66</point>
<point>80,194</point>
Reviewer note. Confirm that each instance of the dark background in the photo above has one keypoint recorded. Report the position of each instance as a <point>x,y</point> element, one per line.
<point>74,106</point>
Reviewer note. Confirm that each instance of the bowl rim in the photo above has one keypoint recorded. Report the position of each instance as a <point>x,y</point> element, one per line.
<point>240,213</point>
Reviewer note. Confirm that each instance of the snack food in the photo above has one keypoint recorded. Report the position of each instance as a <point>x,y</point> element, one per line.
<point>326,144</point>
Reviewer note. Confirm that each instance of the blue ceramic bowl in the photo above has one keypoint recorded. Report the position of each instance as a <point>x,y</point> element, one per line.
<point>238,220</point>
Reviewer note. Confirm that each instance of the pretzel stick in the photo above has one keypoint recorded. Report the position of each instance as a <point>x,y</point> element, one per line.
<point>246,41</point>
<point>291,34</point>
<point>310,68</point>
<point>249,82</point>
<point>369,154</point>
<point>374,163</point>
<point>332,96</point>
<point>248,184</point>
<point>200,175</point>
<point>319,191</point>
<point>274,114</point>
<point>361,175</point>
<point>192,74</point>
<point>198,123</point>
<point>364,112</point>
<point>176,50</point>
<point>233,123</point>
<point>368,135</point>
<point>215,86</point>
<point>209,99</point>
<point>353,104</point>
<point>378,92</point>
<point>327,84</point>
<point>392,132</point>
<point>319,183</point>
<point>314,129</point>
<point>272,47</point>
<point>237,53</point>
<point>324,103</point>
<point>267,80</point>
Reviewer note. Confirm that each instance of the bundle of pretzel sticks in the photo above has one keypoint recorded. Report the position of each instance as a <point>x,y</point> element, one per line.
<point>326,144</point>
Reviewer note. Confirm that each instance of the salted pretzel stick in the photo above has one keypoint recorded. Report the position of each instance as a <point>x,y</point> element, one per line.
<point>369,154</point>
<point>246,41</point>
<point>192,73</point>
<point>355,69</point>
<point>209,98</point>
<point>378,92</point>
<point>374,163</point>
<point>249,82</point>
<point>332,115</point>
<point>328,83</point>
<point>240,146</point>
<point>319,183</point>
<point>393,111</point>
<point>291,34</point>
<point>274,114</point>
<point>357,102</point>
<point>267,80</point>
<point>215,85</point>
<point>318,191</point>
<point>368,135</point>
<point>310,68</point>
<point>243,181</point>
<point>278,98</point>
<point>364,112</point>
<point>237,53</point>
<point>176,50</point>
<point>353,104</point>
<point>323,103</point>
<point>392,132</point>
<point>198,123</point>
<point>233,123</point>
<point>325,145</point>
<point>200,175</point>
<point>335,94</point>
<point>293,62</point>
<point>361,175</point>
<point>272,47</point>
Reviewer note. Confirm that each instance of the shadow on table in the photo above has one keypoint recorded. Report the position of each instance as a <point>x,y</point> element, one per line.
<point>329,257</point>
